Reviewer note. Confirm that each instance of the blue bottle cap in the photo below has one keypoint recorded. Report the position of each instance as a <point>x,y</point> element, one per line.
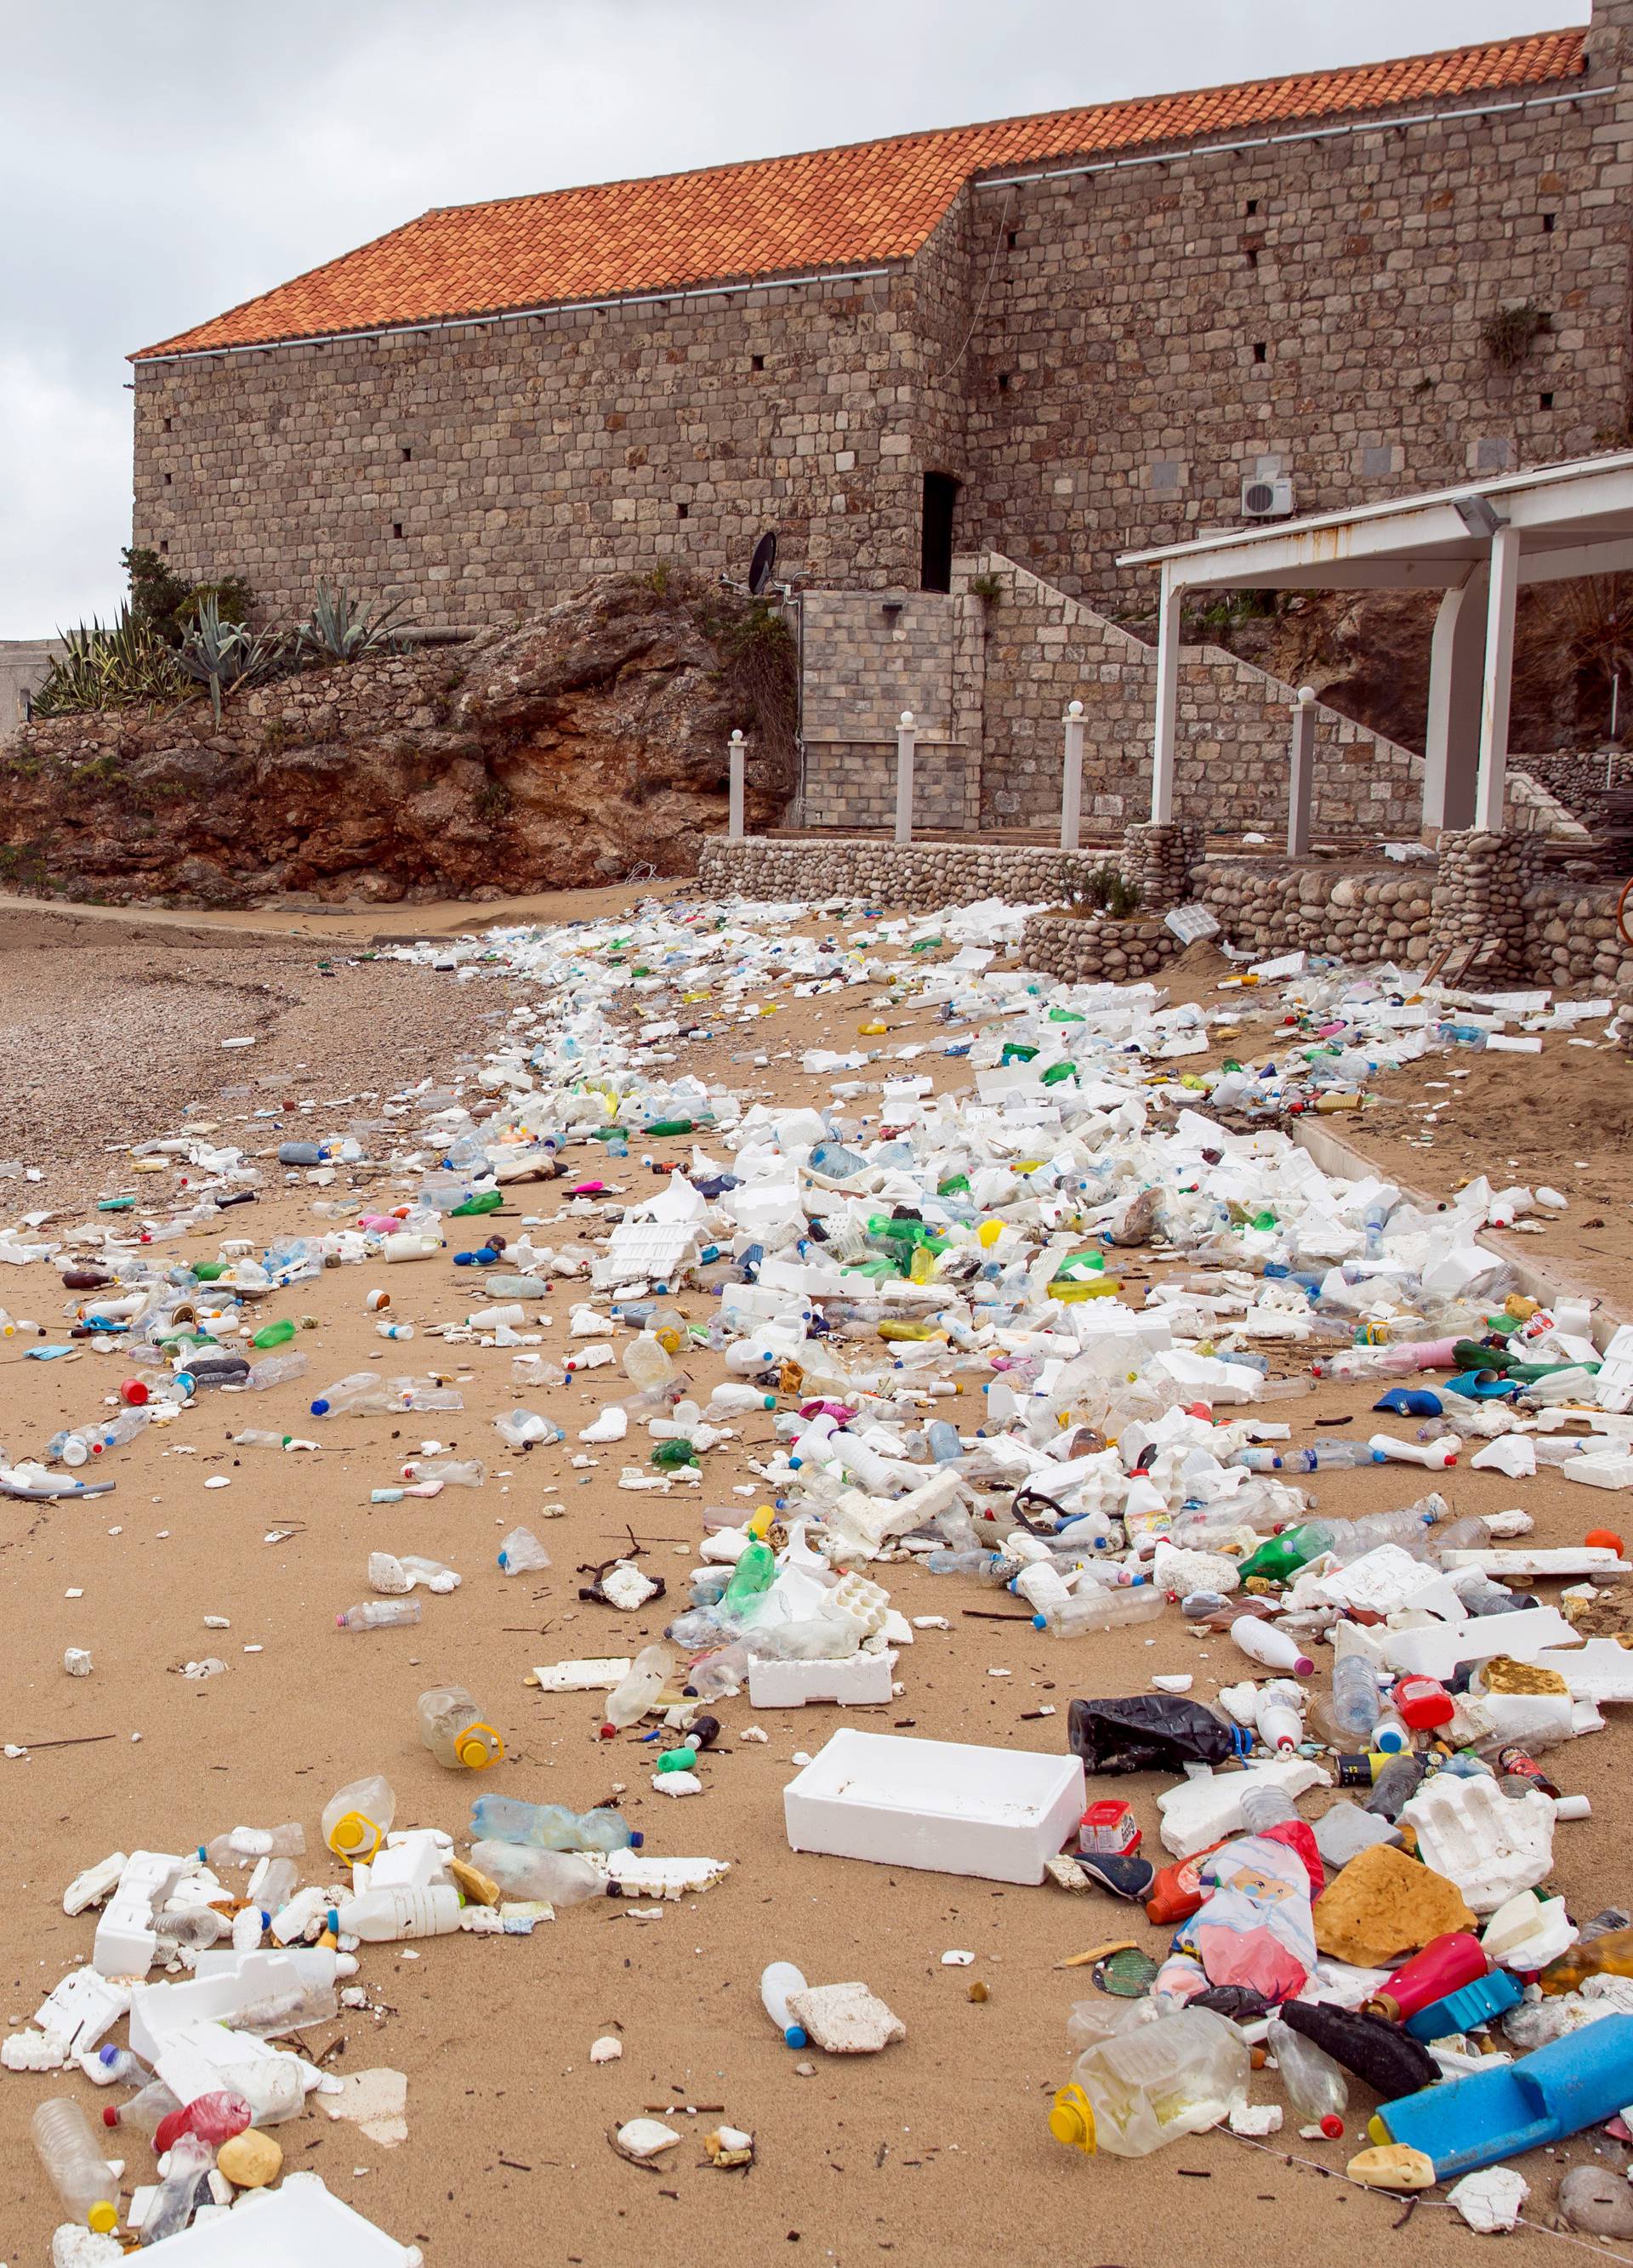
<point>795,2037</point>
<point>319,1408</point>
<point>636,1838</point>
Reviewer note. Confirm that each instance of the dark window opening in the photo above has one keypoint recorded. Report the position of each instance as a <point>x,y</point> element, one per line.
<point>396,527</point>
<point>167,424</point>
<point>1253,207</point>
<point>1548,223</point>
<point>1261,350</point>
<point>1252,259</point>
<point>164,546</point>
<point>940,496</point>
<point>1015,238</point>
<point>169,480</point>
<point>1545,400</point>
<point>682,511</point>
<point>1003,381</point>
<point>757,361</point>
<point>407,456</point>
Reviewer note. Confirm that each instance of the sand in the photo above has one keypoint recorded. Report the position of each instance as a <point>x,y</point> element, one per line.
<point>937,2146</point>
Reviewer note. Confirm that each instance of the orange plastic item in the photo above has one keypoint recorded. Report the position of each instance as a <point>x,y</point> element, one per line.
<point>1605,1539</point>
<point>1177,1893</point>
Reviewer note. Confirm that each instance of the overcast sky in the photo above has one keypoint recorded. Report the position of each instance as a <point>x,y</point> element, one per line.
<point>160,161</point>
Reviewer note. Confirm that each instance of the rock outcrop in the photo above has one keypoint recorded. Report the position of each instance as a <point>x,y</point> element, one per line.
<point>577,747</point>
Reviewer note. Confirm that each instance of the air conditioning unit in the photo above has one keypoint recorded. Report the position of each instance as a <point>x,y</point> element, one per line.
<point>1267,499</point>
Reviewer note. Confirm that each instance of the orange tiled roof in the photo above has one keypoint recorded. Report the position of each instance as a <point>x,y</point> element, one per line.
<point>824,210</point>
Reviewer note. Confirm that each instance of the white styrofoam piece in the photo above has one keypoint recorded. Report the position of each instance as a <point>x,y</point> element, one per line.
<point>644,1874</point>
<point>863,1680</point>
<point>294,2225</point>
<point>652,1250</point>
<point>1384,1581</point>
<point>125,1940</point>
<point>413,1862</point>
<point>195,2058</point>
<point>1601,1670</point>
<point>82,2009</point>
<point>598,1675</point>
<point>1602,1468</point>
<point>1567,1559</point>
<point>1613,1387</point>
<point>1437,1652</point>
<point>953,1809</point>
<point>1490,1843</point>
<point>1199,1812</point>
<point>244,1981</point>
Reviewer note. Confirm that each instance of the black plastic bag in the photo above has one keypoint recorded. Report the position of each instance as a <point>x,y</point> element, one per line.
<point>1148,1732</point>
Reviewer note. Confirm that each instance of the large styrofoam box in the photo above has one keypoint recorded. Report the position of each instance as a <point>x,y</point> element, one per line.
<point>299,2226</point>
<point>999,1812</point>
<point>862,1681</point>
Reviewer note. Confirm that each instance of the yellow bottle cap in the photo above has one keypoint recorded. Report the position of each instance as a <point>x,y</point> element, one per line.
<point>1377,2131</point>
<point>354,1836</point>
<point>103,2217</point>
<point>477,1746</point>
<point>1071,2119</point>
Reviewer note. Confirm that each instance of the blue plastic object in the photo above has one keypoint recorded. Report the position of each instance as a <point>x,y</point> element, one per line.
<point>1409,1402</point>
<point>1483,1386</point>
<point>1493,1994</point>
<point>1463,2123</point>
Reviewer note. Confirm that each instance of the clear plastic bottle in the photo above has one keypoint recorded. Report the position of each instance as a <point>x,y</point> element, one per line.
<point>382,1916</point>
<point>243,1846</point>
<point>1100,1609</point>
<point>550,1826</point>
<point>454,1729</point>
<point>639,1688</point>
<point>144,2111</point>
<point>357,1817</point>
<point>453,1472</point>
<point>524,1870</point>
<point>1357,1702</point>
<point>79,2174</point>
<point>378,1614</point>
<point>1316,2086</point>
<point>183,2188</point>
<point>275,1370</point>
<point>1153,2084</point>
<point>777,1981</point>
<point>646,1363</point>
<point>1264,1807</point>
<point>523,1554</point>
<point>199,1927</point>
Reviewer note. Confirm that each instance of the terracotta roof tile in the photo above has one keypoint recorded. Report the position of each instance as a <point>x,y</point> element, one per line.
<point>866,203</point>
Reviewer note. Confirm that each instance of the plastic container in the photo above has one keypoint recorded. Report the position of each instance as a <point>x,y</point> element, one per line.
<point>1578,2081</point>
<point>1089,1610</point>
<point>1315,2085</point>
<point>214,2118</point>
<point>454,1729</point>
<point>1444,1963</point>
<point>559,1878</point>
<point>1261,1641</point>
<point>247,1846</point>
<point>357,1817</point>
<point>638,1690</point>
<point>382,1916</point>
<point>378,1614</point>
<point>1153,2084</point>
<point>78,2172</point>
<point>996,1813</point>
<point>523,1554</point>
<point>550,1826</point>
<point>778,1979</point>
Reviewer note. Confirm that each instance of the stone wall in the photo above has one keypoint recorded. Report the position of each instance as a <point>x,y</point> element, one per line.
<point>920,876</point>
<point>1571,936</point>
<point>1579,782</point>
<point>1278,905</point>
<point>865,658</point>
<point>1099,357</point>
<point>1092,949</point>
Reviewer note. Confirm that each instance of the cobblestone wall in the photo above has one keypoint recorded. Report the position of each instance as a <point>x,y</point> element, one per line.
<point>1571,936</point>
<point>920,875</point>
<point>1267,906</point>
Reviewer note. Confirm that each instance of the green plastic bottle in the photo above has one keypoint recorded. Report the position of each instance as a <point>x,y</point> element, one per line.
<point>485,1200</point>
<point>754,1572</point>
<point>669,1126</point>
<point>1280,1558</point>
<point>668,1455</point>
<point>274,1335</point>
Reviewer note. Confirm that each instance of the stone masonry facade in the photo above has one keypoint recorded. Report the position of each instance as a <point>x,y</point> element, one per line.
<point>1099,354</point>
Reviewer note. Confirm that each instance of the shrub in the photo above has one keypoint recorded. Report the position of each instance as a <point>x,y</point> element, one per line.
<point>1507,334</point>
<point>223,654</point>
<point>339,629</point>
<point>109,665</point>
<point>1104,889</point>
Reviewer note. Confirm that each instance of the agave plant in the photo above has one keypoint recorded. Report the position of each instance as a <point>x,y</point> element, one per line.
<point>339,629</point>
<point>221,655</point>
<point>108,665</point>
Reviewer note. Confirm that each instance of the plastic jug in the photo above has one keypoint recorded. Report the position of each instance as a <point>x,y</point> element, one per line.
<point>357,1819</point>
<point>1578,2081</point>
<point>1152,2084</point>
<point>452,1726</point>
<point>1446,1963</point>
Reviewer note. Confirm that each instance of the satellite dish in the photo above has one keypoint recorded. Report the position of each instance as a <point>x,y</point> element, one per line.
<point>760,566</point>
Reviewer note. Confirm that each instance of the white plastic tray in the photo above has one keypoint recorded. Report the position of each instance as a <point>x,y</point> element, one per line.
<point>299,2226</point>
<point>998,1813</point>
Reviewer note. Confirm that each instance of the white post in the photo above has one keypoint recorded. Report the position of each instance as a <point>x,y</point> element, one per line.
<point>1072,777</point>
<point>1300,782</point>
<point>1493,777</point>
<point>733,819</point>
<point>903,777</point>
<point>1167,702</point>
<point>1456,667</point>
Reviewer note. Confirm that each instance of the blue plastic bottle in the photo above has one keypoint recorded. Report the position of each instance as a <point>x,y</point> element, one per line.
<point>1463,2123</point>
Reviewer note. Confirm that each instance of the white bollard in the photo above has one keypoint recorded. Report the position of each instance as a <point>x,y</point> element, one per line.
<point>1301,779</point>
<point>903,777</point>
<point>734,809</point>
<point>1072,777</point>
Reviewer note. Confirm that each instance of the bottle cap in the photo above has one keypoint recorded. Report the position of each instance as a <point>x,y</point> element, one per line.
<point>477,1746</point>
<point>354,1836</point>
<point>1071,2119</point>
<point>103,2218</point>
<point>795,2035</point>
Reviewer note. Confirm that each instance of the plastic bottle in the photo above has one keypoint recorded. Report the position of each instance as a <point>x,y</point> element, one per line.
<point>1357,1702</point>
<point>454,1729</point>
<point>144,2111</point>
<point>214,2117</point>
<point>171,2205</point>
<point>378,1614</point>
<point>1433,1453</point>
<point>357,1817</point>
<point>732,1397</point>
<point>381,1917</point>
<point>1262,1641</point>
<point>80,2173</point>
<point>199,1927</point>
<point>450,1472</point>
<point>1101,1610</point>
<point>559,1878</point>
<point>522,1553</point>
<point>244,1846</point>
<point>638,1690</point>
<point>1422,1703</point>
<point>1444,1965</point>
<point>754,1573</point>
<point>647,1362</point>
<point>1278,1715</point>
<point>550,1826</point>
<point>778,1979</point>
<point>1610,1954</point>
<point>1152,2084</point>
<point>1396,1787</point>
<point>1316,2086</point>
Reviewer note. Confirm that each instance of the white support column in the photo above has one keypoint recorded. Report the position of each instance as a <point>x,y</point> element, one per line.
<point>1301,778</point>
<point>1494,705</point>
<point>1072,777</point>
<point>734,820</point>
<point>1167,702</point>
<point>1456,668</point>
<point>903,777</point>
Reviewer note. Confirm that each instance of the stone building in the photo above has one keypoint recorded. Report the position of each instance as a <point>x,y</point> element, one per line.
<point>1042,340</point>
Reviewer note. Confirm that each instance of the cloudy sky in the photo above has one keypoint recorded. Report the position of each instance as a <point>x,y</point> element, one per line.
<point>161,161</point>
